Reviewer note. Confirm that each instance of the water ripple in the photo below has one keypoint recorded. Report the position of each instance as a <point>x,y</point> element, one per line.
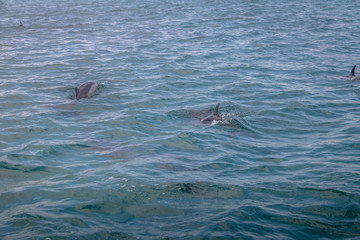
<point>135,161</point>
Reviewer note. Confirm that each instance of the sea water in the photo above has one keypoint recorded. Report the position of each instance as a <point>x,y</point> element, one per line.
<point>135,161</point>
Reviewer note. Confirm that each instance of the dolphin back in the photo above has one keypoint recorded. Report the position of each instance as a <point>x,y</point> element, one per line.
<point>214,116</point>
<point>85,90</point>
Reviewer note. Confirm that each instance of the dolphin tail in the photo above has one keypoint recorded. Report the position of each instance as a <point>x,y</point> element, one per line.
<point>352,74</point>
<point>216,111</point>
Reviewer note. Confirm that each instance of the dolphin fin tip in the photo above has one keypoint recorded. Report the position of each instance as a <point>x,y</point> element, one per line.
<point>216,111</point>
<point>76,93</point>
<point>352,73</point>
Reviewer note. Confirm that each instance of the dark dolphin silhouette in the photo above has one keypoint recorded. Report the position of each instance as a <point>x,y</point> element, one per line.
<point>77,25</point>
<point>352,74</point>
<point>213,116</point>
<point>85,90</point>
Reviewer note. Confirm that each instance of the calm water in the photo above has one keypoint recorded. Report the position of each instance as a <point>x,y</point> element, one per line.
<point>134,161</point>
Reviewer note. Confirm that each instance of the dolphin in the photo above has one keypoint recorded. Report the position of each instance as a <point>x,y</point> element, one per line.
<point>76,25</point>
<point>213,116</point>
<point>85,90</point>
<point>21,24</point>
<point>352,74</point>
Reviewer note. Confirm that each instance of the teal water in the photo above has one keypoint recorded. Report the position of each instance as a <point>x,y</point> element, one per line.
<point>135,162</point>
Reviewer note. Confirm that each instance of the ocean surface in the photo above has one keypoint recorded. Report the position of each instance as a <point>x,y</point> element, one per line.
<point>136,162</point>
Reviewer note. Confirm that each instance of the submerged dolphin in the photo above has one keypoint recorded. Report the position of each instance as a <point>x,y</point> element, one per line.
<point>352,74</point>
<point>213,117</point>
<point>85,90</point>
<point>21,24</point>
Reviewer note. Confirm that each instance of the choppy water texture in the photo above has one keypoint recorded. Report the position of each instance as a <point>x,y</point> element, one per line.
<point>134,161</point>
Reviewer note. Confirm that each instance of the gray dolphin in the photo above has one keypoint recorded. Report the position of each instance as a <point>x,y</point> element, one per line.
<point>21,24</point>
<point>85,90</point>
<point>352,74</point>
<point>213,116</point>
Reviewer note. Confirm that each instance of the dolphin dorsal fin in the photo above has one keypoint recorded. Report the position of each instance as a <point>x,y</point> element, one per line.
<point>76,92</point>
<point>352,74</point>
<point>216,111</point>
